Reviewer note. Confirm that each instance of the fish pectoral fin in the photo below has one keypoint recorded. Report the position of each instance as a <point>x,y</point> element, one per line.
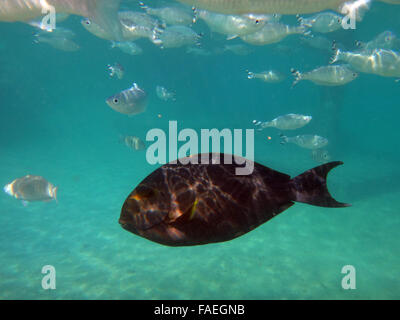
<point>231,36</point>
<point>186,215</point>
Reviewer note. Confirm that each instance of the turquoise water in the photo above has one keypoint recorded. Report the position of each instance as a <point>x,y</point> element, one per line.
<point>54,123</point>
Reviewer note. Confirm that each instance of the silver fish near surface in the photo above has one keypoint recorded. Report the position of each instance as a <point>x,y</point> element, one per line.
<point>128,47</point>
<point>31,188</point>
<point>172,15</point>
<point>306,141</point>
<point>60,39</point>
<point>178,36</point>
<point>385,40</point>
<point>385,63</point>
<point>133,24</point>
<point>131,101</point>
<point>337,75</point>
<point>103,12</point>
<point>270,76</point>
<point>317,42</point>
<point>140,25</point>
<point>272,33</point>
<point>289,121</point>
<point>323,22</point>
<point>231,25</point>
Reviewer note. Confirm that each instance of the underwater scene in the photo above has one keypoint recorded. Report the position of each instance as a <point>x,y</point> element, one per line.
<point>97,96</point>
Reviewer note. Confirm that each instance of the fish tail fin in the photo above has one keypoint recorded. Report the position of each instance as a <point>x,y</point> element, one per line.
<point>195,15</point>
<point>250,75</point>
<point>297,76</point>
<point>301,29</point>
<point>336,53</point>
<point>311,187</point>
<point>284,139</point>
<point>145,7</point>
<point>260,125</point>
<point>55,194</point>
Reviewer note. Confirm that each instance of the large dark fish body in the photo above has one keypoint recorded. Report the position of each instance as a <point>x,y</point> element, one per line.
<point>193,204</point>
<point>103,12</point>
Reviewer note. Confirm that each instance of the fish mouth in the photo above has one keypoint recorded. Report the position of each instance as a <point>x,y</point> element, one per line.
<point>7,189</point>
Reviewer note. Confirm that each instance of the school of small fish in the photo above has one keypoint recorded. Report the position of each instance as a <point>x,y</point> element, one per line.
<point>240,26</point>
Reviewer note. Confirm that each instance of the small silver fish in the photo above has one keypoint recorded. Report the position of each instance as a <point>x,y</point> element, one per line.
<point>172,15</point>
<point>116,70</point>
<point>272,33</point>
<point>231,25</point>
<point>320,155</point>
<point>133,25</point>
<point>134,143</point>
<point>385,40</point>
<point>127,47</point>
<point>289,121</point>
<point>178,36</point>
<point>306,141</point>
<point>31,188</point>
<point>60,39</point>
<point>131,101</point>
<point>271,76</point>
<point>385,63</point>
<point>327,75</point>
<point>317,42</point>
<point>323,22</point>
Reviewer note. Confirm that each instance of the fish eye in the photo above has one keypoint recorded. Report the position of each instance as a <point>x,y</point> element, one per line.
<point>355,74</point>
<point>144,192</point>
<point>87,22</point>
<point>115,100</point>
<point>257,21</point>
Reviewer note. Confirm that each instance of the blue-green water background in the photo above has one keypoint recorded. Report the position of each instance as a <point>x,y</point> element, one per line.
<point>54,123</point>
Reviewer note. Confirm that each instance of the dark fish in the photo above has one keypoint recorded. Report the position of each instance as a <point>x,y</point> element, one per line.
<point>192,204</point>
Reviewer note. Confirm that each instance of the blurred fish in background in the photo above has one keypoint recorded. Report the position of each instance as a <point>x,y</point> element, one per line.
<point>164,94</point>
<point>116,70</point>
